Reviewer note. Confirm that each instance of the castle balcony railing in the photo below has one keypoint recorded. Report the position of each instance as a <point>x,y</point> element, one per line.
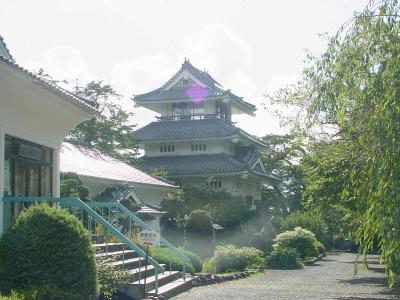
<point>192,117</point>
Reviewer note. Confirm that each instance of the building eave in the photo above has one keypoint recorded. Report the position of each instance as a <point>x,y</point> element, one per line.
<point>124,182</point>
<point>52,87</point>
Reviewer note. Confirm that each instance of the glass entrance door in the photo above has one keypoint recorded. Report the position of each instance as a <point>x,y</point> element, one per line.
<point>28,171</point>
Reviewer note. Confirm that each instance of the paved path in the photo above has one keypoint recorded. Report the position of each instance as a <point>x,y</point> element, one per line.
<point>330,278</point>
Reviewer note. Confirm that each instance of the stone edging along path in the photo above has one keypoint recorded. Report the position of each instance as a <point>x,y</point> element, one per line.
<point>319,257</point>
<point>202,279</point>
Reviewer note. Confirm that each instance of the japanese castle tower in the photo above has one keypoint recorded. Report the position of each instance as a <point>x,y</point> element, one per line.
<point>194,140</point>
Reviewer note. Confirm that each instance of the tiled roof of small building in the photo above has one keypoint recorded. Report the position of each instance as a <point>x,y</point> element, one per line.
<point>212,89</point>
<point>185,129</point>
<point>92,163</point>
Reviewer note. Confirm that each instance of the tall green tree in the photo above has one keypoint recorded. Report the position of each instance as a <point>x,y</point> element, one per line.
<point>283,158</point>
<point>354,89</point>
<point>111,130</point>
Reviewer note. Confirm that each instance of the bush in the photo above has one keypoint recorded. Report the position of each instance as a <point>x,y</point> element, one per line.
<point>262,240</point>
<point>48,247</point>
<point>229,259</point>
<point>302,240</point>
<point>284,258</point>
<point>109,277</point>
<point>199,224</point>
<point>307,220</point>
<point>41,293</point>
<point>165,256</point>
<point>194,259</point>
<point>199,233</point>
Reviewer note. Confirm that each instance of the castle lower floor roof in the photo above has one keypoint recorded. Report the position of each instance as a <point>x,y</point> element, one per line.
<point>191,130</point>
<point>204,165</point>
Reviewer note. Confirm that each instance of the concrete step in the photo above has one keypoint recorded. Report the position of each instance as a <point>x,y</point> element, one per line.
<point>136,289</point>
<point>118,255</point>
<point>129,264</point>
<point>133,274</point>
<point>162,280</point>
<point>172,289</point>
<point>109,247</point>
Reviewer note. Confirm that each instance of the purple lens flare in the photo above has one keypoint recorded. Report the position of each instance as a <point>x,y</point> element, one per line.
<point>197,93</point>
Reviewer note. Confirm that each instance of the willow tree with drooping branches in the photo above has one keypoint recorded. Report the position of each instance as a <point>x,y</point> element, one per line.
<point>354,88</point>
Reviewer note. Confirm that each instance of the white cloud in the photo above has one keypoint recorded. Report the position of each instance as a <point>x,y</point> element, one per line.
<point>143,74</point>
<point>63,63</point>
<point>224,54</point>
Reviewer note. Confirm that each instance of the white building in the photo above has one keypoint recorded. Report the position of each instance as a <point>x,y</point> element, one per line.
<point>35,117</point>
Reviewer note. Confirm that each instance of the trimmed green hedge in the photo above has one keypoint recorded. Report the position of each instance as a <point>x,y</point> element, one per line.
<point>194,259</point>
<point>165,256</point>
<point>229,259</point>
<point>284,258</point>
<point>302,240</point>
<point>307,220</point>
<point>48,247</point>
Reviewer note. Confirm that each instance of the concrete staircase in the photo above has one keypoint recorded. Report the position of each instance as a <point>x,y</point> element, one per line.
<point>170,283</point>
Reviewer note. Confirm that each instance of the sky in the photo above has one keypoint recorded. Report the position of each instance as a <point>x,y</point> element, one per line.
<point>252,47</point>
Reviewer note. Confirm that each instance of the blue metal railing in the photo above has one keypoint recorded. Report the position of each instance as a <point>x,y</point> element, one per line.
<point>79,209</point>
<point>116,211</point>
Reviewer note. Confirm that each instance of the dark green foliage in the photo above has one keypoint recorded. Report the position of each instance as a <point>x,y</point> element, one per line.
<point>166,256</point>
<point>109,277</point>
<point>229,259</point>
<point>282,159</point>
<point>262,240</point>
<point>194,259</point>
<point>199,223</point>
<point>302,240</point>
<point>284,258</point>
<point>42,293</point>
<point>225,209</point>
<point>111,130</point>
<point>307,220</point>
<point>199,233</point>
<point>48,247</point>
<point>71,186</point>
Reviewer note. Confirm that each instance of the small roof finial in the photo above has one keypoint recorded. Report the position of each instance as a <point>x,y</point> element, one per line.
<point>187,61</point>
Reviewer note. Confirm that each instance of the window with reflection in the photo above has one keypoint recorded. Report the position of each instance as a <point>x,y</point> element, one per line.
<point>187,110</point>
<point>27,168</point>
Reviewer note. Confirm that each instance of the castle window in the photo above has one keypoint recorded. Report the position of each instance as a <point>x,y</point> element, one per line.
<point>167,148</point>
<point>214,183</point>
<point>198,147</point>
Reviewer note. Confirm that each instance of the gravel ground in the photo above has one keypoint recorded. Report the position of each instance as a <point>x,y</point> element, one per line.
<point>330,278</point>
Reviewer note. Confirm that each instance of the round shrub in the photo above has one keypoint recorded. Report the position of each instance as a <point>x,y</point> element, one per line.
<point>284,258</point>
<point>48,247</point>
<point>229,258</point>
<point>194,259</point>
<point>307,220</point>
<point>199,223</point>
<point>166,256</point>
<point>302,240</point>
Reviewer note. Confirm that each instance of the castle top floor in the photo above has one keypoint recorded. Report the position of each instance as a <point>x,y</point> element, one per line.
<point>193,94</point>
